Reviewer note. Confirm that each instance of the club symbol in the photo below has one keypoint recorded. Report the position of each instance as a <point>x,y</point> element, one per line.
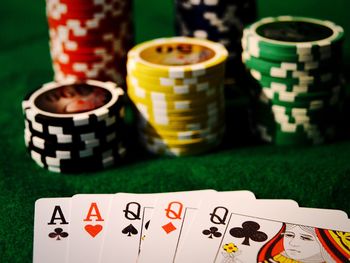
<point>58,234</point>
<point>213,231</point>
<point>130,230</point>
<point>249,230</point>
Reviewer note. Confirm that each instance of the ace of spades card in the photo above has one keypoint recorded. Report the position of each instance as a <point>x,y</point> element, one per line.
<point>128,220</point>
<point>51,230</point>
<point>89,215</point>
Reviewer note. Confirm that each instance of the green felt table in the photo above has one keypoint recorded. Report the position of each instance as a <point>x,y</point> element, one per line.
<point>313,176</point>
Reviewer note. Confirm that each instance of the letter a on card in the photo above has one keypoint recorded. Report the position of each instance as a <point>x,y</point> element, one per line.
<point>89,217</point>
<point>51,230</point>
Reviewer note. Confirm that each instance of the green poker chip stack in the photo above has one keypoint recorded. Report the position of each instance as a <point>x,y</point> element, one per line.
<point>296,62</point>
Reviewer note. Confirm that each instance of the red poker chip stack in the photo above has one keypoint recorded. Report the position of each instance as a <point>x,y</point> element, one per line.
<point>89,39</point>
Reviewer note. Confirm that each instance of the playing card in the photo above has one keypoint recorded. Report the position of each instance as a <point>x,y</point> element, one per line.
<point>211,230</point>
<point>209,225</point>
<point>51,230</point>
<point>129,217</point>
<point>167,224</point>
<point>89,215</point>
<point>159,238</point>
<point>253,239</point>
<point>199,226</point>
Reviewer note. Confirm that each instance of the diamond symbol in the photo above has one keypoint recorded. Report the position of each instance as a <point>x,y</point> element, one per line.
<point>169,228</point>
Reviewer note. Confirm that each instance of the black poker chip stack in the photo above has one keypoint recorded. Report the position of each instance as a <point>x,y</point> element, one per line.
<point>75,126</point>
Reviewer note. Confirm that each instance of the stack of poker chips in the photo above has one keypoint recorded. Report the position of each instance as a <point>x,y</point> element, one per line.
<point>297,64</point>
<point>220,21</point>
<point>75,127</point>
<point>89,39</point>
<point>176,87</point>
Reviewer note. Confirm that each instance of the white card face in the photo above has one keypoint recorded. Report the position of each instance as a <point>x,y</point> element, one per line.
<point>240,195</point>
<point>210,224</point>
<point>321,218</point>
<point>253,239</point>
<point>51,230</point>
<point>89,216</point>
<point>129,217</point>
<point>169,221</point>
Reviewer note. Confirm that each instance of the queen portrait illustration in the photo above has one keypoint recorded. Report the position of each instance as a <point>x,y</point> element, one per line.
<point>304,244</point>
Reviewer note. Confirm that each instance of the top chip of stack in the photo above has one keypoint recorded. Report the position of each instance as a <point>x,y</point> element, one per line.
<point>176,86</point>
<point>293,39</point>
<point>297,63</point>
<point>74,127</point>
<point>89,39</point>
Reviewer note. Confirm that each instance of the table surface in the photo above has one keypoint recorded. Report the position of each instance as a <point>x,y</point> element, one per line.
<point>313,176</point>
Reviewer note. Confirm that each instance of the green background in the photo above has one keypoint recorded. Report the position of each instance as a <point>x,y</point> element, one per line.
<point>313,176</point>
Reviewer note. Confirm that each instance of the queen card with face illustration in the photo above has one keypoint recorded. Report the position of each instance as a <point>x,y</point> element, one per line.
<point>234,232</point>
<point>253,239</point>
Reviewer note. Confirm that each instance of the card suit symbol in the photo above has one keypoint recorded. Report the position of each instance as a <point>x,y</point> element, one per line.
<point>249,230</point>
<point>146,227</point>
<point>168,228</point>
<point>213,231</point>
<point>147,224</point>
<point>58,234</point>
<point>130,230</point>
<point>93,230</point>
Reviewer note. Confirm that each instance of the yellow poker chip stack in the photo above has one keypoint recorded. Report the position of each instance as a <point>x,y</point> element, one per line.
<point>176,88</point>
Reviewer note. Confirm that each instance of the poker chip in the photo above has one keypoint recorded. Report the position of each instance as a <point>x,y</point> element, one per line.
<point>223,22</point>
<point>85,164</point>
<point>220,21</point>
<point>58,102</point>
<point>75,126</point>
<point>287,70</point>
<point>296,64</point>
<point>183,147</point>
<point>298,36</point>
<point>89,39</point>
<point>176,89</point>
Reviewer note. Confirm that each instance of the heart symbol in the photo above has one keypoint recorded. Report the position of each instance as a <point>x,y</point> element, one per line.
<point>93,230</point>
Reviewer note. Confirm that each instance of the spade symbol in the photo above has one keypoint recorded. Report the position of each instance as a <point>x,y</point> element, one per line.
<point>249,230</point>
<point>146,227</point>
<point>58,232</point>
<point>213,231</point>
<point>147,224</point>
<point>130,230</point>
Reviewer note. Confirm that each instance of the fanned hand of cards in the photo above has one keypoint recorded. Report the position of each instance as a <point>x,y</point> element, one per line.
<point>198,226</point>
